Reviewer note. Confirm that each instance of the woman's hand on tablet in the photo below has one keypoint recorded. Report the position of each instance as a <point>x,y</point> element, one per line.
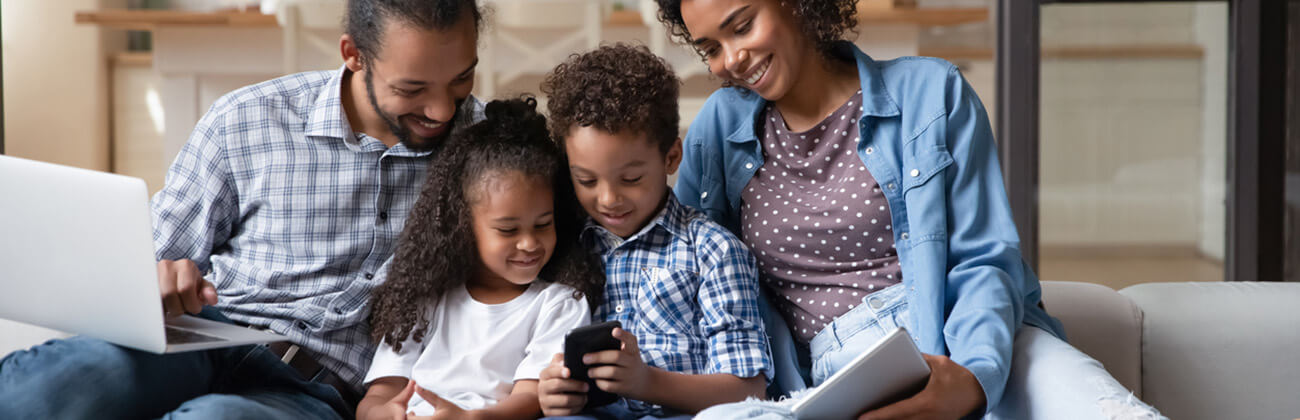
<point>952,392</point>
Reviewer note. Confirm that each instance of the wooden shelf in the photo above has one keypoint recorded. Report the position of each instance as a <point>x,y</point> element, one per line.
<point>923,17</point>
<point>624,17</point>
<point>144,20</point>
<point>1170,51</point>
<point>142,59</point>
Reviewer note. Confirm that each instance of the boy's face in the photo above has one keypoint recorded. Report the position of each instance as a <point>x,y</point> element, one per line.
<point>621,179</point>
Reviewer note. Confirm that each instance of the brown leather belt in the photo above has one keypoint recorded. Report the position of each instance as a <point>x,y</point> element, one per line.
<point>311,370</point>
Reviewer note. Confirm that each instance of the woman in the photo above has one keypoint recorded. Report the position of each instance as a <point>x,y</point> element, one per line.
<point>870,193</point>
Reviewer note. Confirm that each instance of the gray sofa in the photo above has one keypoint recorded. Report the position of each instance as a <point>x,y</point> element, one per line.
<point>1193,350</point>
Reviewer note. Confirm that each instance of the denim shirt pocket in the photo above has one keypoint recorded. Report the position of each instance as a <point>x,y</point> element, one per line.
<point>924,190</point>
<point>924,166</point>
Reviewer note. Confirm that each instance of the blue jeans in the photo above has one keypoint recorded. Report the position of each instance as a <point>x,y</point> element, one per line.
<point>82,377</point>
<point>1049,378</point>
<point>622,410</point>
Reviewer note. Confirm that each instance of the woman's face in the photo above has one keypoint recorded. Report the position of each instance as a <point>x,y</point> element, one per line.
<point>755,44</point>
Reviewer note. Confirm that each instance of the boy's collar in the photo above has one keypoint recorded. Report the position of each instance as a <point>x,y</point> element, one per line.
<point>672,217</point>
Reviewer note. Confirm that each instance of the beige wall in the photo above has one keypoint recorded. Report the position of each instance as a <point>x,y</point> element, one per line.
<point>56,82</point>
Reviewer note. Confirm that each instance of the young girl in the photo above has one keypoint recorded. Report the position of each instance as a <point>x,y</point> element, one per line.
<point>486,280</point>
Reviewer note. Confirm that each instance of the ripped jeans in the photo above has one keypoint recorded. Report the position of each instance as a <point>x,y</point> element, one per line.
<point>1049,378</point>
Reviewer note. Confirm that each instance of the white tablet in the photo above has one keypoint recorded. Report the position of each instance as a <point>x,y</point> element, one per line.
<point>889,371</point>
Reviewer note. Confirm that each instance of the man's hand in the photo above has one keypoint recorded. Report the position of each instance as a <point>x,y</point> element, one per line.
<point>620,371</point>
<point>952,392</point>
<point>556,393</point>
<point>183,288</point>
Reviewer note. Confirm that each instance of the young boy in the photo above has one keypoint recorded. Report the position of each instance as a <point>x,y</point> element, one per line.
<point>684,288</point>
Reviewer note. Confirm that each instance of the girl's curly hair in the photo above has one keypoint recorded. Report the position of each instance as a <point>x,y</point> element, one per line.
<point>437,250</point>
<point>823,22</point>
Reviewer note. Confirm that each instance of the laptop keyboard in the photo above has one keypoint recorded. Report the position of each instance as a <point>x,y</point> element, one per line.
<point>184,336</point>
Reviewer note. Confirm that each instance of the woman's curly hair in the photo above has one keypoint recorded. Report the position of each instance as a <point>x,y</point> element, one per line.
<point>824,22</point>
<point>437,251</point>
<point>614,88</point>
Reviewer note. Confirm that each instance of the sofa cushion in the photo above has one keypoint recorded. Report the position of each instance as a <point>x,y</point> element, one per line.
<point>18,336</point>
<point>1220,350</point>
<point>1102,323</point>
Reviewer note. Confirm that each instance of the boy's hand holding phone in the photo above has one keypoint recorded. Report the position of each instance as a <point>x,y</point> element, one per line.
<point>599,361</point>
<point>620,371</point>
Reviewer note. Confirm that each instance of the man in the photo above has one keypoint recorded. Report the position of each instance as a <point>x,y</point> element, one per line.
<point>281,212</point>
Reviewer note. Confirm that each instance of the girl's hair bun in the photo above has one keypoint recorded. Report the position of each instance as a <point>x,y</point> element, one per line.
<point>515,115</point>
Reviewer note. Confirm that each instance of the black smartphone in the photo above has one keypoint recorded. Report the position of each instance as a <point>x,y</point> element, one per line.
<point>590,339</point>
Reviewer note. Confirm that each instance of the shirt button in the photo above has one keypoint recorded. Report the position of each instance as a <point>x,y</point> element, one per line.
<point>618,308</point>
<point>870,150</point>
<point>903,235</point>
<point>749,166</point>
<point>301,325</point>
<point>704,195</point>
<point>916,173</point>
<point>892,186</point>
<point>338,310</point>
<point>383,215</point>
<point>370,276</point>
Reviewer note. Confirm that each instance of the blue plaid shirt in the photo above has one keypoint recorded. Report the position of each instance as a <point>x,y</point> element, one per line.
<point>291,215</point>
<point>688,289</point>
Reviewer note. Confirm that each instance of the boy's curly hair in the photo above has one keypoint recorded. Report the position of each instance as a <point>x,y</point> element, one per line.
<point>437,250</point>
<point>824,22</point>
<point>614,88</point>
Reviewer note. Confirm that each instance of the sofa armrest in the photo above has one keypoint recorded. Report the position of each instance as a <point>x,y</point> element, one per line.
<point>1103,324</point>
<point>1220,350</point>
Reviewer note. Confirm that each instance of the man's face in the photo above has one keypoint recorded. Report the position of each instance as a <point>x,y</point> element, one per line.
<point>420,77</point>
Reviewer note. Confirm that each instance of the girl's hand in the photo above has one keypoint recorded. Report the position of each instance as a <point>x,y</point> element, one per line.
<point>622,371</point>
<point>951,393</point>
<point>394,408</point>
<point>556,393</point>
<point>442,409</point>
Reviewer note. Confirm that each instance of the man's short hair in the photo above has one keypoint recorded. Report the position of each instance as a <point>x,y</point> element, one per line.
<point>366,19</point>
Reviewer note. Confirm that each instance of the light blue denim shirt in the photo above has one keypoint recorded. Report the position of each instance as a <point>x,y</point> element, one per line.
<point>927,141</point>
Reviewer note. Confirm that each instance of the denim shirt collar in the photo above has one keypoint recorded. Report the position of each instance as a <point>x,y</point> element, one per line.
<point>876,101</point>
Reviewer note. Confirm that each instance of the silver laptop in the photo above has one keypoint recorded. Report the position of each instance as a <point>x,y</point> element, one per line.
<point>77,255</point>
<point>888,372</point>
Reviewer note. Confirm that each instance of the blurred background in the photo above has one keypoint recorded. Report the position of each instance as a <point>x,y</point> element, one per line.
<point>1134,148</point>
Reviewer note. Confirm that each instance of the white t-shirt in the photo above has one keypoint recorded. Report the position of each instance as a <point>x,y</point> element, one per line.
<point>473,352</point>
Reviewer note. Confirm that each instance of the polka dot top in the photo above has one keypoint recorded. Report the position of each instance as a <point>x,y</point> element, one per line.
<point>817,221</point>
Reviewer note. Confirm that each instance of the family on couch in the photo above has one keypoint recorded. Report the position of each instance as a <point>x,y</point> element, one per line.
<point>425,253</point>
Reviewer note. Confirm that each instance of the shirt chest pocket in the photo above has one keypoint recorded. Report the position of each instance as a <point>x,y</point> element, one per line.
<point>665,300</point>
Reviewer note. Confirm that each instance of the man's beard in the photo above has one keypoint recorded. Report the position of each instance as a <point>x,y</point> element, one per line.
<point>403,133</point>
